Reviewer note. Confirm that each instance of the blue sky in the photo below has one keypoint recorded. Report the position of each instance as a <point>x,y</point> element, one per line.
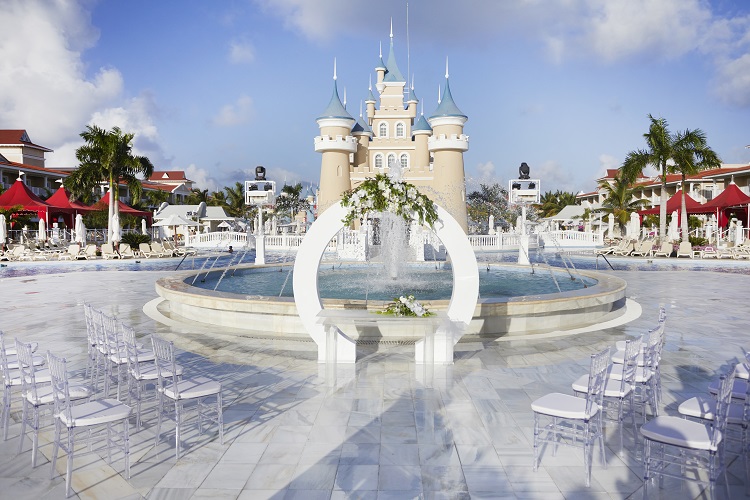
<point>217,87</point>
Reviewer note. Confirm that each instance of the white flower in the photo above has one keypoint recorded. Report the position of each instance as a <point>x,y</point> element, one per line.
<point>361,193</point>
<point>381,185</point>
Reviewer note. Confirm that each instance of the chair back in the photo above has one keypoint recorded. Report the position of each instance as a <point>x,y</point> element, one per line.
<point>597,380</point>
<point>4,360</point>
<point>633,348</point>
<point>113,337</point>
<point>723,400</point>
<point>26,369</point>
<point>58,369</point>
<point>165,363</point>
<point>131,350</point>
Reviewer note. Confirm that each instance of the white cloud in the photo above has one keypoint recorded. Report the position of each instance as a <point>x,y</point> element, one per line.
<point>201,177</point>
<point>554,177</point>
<point>241,52</point>
<point>43,84</point>
<point>606,162</point>
<point>235,114</point>
<point>486,170</point>
<point>45,89</point>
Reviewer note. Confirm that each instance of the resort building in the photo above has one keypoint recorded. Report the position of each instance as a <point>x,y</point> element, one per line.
<point>702,187</point>
<point>21,157</point>
<point>393,133</point>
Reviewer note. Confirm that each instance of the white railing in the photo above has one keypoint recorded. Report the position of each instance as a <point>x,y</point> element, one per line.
<point>567,238</point>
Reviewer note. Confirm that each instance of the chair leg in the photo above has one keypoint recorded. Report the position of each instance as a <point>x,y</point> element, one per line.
<point>6,411</point>
<point>55,446</point>
<point>587,452</point>
<point>35,440</point>
<point>220,417</point>
<point>126,446</point>
<point>71,452</point>
<point>536,441</point>
<point>177,418</point>
<point>24,409</point>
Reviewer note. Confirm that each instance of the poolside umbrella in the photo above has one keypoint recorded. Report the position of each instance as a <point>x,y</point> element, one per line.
<point>42,233</point>
<point>3,230</point>
<point>143,226</point>
<point>116,231</point>
<point>80,230</point>
<point>175,221</point>
<point>224,225</point>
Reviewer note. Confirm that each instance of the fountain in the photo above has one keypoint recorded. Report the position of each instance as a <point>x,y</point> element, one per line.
<point>269,316</point>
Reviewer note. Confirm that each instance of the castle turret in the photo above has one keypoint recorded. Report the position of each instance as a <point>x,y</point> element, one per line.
<point>421,133</point>
<point>370,102</point>
<point>447,145</point>
<point>412,102</point>
<point>336,143</point>
<point>363,133</point>
<point>380,70</point>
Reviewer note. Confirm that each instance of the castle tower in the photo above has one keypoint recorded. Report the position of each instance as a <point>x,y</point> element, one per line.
<point>429,151</point>
<point>447,145</point>
<point>336,143</point>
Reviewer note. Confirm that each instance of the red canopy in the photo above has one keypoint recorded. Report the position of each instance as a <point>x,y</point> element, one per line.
<point>674,203</point>
<point>103,204</point>
<point>732,196</point>
<point>61,199</point>
<point>20,194</point>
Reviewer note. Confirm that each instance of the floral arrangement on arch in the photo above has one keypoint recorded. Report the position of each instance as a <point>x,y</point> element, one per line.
<point>406,306</point>
<point>381,194</point>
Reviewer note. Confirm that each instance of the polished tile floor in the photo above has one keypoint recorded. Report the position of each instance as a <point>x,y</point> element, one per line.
<point>384,428</point>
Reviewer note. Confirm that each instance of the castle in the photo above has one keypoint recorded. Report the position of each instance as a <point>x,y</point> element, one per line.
<point>429,150</point>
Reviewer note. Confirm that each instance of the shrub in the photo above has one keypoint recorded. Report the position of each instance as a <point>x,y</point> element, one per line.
<point>697,241</point>
<point>135,239</point>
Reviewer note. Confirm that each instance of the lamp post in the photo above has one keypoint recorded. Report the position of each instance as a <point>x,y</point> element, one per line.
<point>260,192</point>
<point>523,191</point>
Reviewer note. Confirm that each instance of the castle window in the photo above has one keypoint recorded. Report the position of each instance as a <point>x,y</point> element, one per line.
<point>404,161</point>
<point>400,130</point>
<point>391,160</point>
<point>383,130</point>
<point>379,162</point>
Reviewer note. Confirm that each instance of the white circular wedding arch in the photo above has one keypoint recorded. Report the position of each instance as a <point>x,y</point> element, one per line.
<point>307,297</point>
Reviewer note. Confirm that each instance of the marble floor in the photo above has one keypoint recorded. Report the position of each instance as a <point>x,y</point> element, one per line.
<point>384,428</point>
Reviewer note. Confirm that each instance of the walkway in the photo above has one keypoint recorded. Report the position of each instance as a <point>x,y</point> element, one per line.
<point>384,429</point>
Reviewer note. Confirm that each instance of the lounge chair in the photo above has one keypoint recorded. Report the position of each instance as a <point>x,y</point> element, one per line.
<point>89,253</point>
<point>126,251</point>
<point>644,248</point>
<point>163,252</point>
<point>71,253</point>
<point>685,250</point>
<point>19,252</point>
<point>626,249</point>
<point>108,252</point>
<point>709,252</point>
<point>665,250</point>
<point>611,248</point>
<point>178,251</point>
<point>146,251</point>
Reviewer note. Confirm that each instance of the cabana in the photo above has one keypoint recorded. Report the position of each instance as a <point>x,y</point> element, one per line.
<point>61,199</point>
<point>103,204</point>
<point>674,203</point>
<point>20,194</point>
<point>731,197</point>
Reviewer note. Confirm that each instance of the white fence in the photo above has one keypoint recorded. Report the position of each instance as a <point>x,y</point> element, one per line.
<point>350,243</point>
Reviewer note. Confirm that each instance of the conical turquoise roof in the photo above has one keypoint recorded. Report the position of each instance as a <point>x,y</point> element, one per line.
<point>447,107</point>
<point>335,109</point>
<point>370,96</point>
<point>361,126</point>
<point>392,73</point>
<point>421,125</point>
<point>413,96</point>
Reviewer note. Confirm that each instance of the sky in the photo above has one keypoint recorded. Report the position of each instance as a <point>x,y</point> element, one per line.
<point>215,88</point>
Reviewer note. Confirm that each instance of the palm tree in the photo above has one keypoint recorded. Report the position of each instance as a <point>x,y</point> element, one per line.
<point>290,202</point>
<point>551,203</point>
<point>235,200</point>
<point>198,196</point>
<point>663,150</point>
<point>692,155</point>
<point>156,198</point>
<point>107,156</point>
<point>621,200</point>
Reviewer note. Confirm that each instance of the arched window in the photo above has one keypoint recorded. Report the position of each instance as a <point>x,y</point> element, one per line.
<point>391,159</point>
<point>383,130</point>
<point>404,161</point>
<point>400,130</point>
<point>379,162</point>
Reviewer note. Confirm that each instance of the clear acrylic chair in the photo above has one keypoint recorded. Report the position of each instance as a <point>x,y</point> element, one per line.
<point>141,371</point>
<point>704,407</point>
<point>11,379</point>
<point>574,421</point>
<point>180,391</point>
<point>36,395</point>
<point>85,416</point>
<point>618,388</point>
<point>680,448</point>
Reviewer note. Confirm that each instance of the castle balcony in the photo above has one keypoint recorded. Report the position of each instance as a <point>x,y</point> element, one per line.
<point>455,142</point>
<point>344,143</point>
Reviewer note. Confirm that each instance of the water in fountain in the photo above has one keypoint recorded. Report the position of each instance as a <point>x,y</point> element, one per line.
<point>394,239</point>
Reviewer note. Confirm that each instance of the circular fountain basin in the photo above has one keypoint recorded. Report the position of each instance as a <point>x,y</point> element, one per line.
<point>266,315</point>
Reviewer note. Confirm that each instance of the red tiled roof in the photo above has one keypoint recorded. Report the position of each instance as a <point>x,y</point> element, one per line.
<point>171,175</point>
<point>17,137</point>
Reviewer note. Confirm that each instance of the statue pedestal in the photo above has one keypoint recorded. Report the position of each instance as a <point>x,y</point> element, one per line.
<point>260,249</point>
